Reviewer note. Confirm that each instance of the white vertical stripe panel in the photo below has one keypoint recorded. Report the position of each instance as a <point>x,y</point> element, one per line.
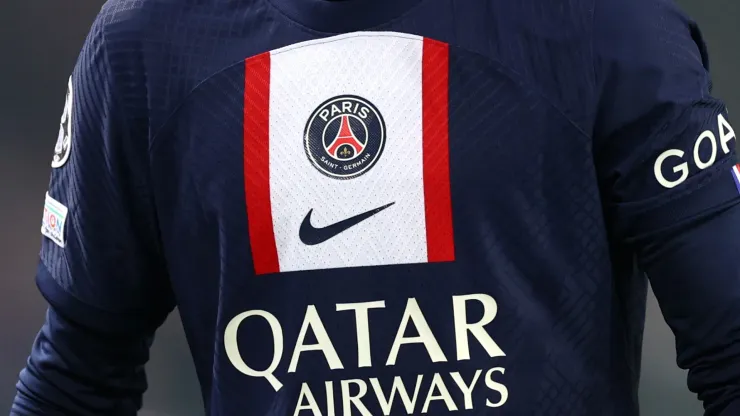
<point>385,69</point>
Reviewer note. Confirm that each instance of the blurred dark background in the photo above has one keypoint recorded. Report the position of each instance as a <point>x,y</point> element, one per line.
<point>39,43</point>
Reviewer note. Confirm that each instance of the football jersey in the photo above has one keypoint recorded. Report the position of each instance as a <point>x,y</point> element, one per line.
<point>398,207</point>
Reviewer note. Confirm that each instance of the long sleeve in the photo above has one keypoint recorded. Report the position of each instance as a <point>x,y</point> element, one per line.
<point>666,157</point>
<point>101,267</point>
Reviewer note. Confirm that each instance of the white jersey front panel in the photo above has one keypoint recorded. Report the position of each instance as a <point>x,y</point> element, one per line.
<point>346,144</point>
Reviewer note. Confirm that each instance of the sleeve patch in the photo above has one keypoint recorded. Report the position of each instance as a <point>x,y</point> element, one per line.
<point>55,218</point>
<point>64,139</point>
<point>736,175</point>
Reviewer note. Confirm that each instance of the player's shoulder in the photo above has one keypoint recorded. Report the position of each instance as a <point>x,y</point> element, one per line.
<point>641,25</point>
<point>657,34</point>
<point>523,21</point>
<point>559,20</point>
<point>164,48</point>
<point>146,19</point>
<point>546,45</point>
<point>174,22</point>
<point>615,9</point>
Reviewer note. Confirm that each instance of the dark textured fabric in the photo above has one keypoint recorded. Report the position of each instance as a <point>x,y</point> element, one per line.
<point>558,112</point>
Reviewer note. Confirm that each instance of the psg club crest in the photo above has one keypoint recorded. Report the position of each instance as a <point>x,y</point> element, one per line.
<point>344,137</point>
<point>64,139</point>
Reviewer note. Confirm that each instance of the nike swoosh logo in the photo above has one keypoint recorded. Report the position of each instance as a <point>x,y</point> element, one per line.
<point>311,235</point>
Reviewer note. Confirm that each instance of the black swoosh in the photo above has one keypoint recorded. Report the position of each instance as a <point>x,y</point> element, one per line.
<point>311,235</point>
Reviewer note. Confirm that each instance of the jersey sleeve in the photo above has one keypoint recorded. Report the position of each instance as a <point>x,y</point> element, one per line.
<point>101,267</point>
<point>665,155</point>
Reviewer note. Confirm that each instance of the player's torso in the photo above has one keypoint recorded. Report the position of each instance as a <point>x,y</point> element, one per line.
<point>398,221</point>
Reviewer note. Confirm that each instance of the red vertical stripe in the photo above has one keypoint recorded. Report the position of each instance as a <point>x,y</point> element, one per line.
<point>257,163</point>
<point>435,119</point>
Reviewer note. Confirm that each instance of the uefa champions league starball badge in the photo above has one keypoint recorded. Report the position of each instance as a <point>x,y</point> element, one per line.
<point>64,139</point>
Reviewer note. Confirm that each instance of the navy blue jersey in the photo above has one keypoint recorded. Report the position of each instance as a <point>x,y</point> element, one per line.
<point>389,207</point>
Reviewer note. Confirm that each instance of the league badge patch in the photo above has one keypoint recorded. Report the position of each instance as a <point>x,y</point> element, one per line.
<point>64,139</point>
<point>55,217</point>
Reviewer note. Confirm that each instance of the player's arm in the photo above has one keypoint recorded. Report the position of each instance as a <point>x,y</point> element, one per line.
<point>665,154</point>
<point>101,268</point>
